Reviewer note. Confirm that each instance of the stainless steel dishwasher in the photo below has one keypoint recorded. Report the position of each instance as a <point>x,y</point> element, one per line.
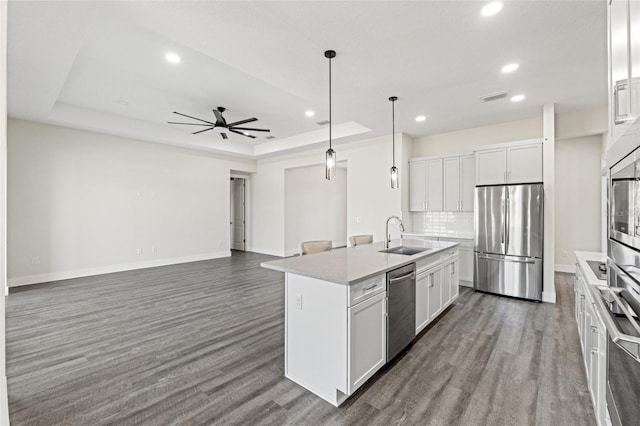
<point>401,309</point>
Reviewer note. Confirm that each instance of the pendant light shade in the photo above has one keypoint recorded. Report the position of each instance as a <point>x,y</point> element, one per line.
<point>394,169</point>
<point>330,164</point>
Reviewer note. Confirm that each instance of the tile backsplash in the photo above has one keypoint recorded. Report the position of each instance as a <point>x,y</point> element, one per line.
<point>442,222</point>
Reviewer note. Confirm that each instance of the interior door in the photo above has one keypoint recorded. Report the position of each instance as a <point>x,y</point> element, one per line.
<point>490,219</point>
<point>525,218</point>
<point>237,214</point>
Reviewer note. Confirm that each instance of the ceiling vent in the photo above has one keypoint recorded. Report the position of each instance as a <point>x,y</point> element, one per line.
<point>270,137</point>
<point>494,97</point>
<point>322,123</point>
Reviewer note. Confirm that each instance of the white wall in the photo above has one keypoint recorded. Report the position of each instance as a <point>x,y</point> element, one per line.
<point>316,208</point>
<point>578,202</point>
<point>83,203</point>
<point>370,199</point>
<point>4,406</point>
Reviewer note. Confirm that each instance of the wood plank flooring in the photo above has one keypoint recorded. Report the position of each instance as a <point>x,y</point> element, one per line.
<point>202,343</point>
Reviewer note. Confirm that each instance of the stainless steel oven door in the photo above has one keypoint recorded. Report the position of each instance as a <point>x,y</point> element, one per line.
<point>622,203</point>
<point>618,306</point>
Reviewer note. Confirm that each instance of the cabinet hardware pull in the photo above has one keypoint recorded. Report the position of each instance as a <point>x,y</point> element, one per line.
<point>370,287</point>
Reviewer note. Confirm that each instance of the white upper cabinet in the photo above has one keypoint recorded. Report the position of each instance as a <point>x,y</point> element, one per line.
<point>417,186</point>
<point>519,163</point>
<point>434,185</point>
<point>442,184</point>
<point>624,66</point>
<point>524,163</point>
<point>467,182</point>
<point>451,184</point>
<point>491,165</point>
<point>425,185</point>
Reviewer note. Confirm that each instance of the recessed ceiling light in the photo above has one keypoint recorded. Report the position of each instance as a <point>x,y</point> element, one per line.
<point>246,133</point>
<point>172,57</point>
<point>309,113</point>
<point>510,68</point>
<point>517,98</point>
<point>420,118</point>
<point>492,8</point>
<point>122,102</point>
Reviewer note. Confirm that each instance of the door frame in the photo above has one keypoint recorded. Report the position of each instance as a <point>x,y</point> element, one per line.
<point>245,178</point>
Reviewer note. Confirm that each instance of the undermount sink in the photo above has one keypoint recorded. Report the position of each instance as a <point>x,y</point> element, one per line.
<point>408,251</point>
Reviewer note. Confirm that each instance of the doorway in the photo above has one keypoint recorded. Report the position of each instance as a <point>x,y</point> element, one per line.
<point>237,214</point>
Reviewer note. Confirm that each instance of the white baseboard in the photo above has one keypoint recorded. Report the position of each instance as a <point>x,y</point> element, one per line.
<point>549,296</point>
<point>279,253</point>
<point>66,275</point>
<point>570,269</point>
<point>4,402</point>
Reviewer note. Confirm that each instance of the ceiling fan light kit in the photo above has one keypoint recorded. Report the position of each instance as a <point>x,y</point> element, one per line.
<point>330,165</point>
<point>220,125</point>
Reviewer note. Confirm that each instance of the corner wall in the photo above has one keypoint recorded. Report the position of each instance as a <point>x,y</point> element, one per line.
<point>82,203</point>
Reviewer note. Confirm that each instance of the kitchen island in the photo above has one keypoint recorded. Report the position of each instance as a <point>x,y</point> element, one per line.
<point>336,310</point>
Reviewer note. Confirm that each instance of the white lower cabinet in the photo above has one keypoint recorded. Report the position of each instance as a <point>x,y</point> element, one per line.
<point>422,300</point>
<point>434,301</point>
<point>450,278</point>
<point>367,339</point>
<point>593,342</point>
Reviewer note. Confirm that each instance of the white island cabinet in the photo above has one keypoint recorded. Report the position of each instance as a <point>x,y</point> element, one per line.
<point>336,311</point>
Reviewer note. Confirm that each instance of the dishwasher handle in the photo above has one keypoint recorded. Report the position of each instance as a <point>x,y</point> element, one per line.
<point>410,275</point>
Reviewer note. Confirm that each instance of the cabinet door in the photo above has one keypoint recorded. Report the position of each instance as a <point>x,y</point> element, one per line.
<point>451,184</point>
<point>434,185</point>
<point>435,293</point>
<point>367,340</point>
<point>417,188</point>
<point>524,163</point>
<point>454,274</point>
<point>422,300</point>
<point>465,267</point>
<point>467,182</point>
<point>619,99</point>
<point>593,359</point>
<point>634,60</point>
<point>491,166</point>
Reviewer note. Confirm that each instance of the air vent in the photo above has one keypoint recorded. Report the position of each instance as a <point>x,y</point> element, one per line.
<point>270,137</point>
<point>322,123</point>
<point>494,97</point>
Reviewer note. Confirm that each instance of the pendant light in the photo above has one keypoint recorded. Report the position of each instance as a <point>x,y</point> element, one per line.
<point>331,154</point>
<point>394,169</point>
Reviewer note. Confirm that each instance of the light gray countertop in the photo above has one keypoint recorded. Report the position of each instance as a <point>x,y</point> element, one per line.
<point>353,264</point>
<point>452,235</point>
<point>582,257</point>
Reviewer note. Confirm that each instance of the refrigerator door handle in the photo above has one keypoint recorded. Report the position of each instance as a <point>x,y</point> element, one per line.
<point>505,259</point>
<point>507,221</point>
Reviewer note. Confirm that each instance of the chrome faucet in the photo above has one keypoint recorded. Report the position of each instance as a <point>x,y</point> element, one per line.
<point>387,238</point>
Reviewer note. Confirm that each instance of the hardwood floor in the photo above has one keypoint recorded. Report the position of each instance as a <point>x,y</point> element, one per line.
<point>202,343</point>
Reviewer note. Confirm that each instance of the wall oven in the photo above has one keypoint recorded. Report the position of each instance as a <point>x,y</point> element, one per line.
<point>618,305</point>
<point>624,201</point>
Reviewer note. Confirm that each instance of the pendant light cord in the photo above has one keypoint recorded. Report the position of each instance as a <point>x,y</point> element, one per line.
<point>330,123</point>
<point>393,130</point>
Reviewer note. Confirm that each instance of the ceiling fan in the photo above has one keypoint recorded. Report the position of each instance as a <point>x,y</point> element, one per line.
<point>221,124</point>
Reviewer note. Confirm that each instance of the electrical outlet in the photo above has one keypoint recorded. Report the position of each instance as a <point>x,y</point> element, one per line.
<point>357,219</point>
<point>153,194</point>
<point>35,261</point>
<point>138,251</point>
<point>299,302</point>
<point>565,253</point>
<point>154,250</point>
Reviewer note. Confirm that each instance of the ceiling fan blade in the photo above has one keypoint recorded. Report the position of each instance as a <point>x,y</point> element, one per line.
<point>248,120</point>
<point>195,118</point>
<point>240,133</point>
<point>224,136</point>
<point>189,124</point>
<point>250,129</point>
<point>200,131</point>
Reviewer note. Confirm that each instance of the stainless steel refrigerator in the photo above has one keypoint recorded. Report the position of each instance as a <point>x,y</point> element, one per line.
<point>509,240</point>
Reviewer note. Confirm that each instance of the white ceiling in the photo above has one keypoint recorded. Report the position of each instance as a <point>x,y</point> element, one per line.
<point>71,62</point>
